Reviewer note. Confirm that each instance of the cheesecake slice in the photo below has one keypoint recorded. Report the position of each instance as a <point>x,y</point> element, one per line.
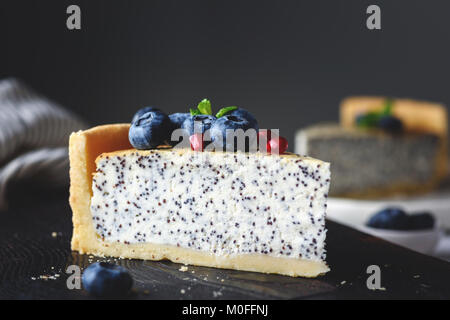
<point>235,210</point>
<point>370,164</point>
<point>418,117</point>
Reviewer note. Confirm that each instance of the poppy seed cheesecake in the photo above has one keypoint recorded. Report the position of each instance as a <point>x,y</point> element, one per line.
<point>382,147</point>
<point>235,210</point>
<point>369,164</point>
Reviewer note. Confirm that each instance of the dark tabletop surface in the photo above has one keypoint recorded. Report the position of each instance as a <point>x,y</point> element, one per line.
<point>35,251</point>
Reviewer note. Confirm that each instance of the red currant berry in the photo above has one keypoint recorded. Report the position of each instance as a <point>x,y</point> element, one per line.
<point>277,145</point>
<point>196,141</point>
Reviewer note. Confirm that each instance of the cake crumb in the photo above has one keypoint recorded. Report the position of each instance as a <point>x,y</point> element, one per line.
<point>379,289</point>
<point>183,269</point>
<point>182,291</point>
<point>46,277</point>
<point>217,294</point>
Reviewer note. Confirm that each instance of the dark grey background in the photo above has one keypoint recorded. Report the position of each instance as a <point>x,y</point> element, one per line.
<point>289,62</point>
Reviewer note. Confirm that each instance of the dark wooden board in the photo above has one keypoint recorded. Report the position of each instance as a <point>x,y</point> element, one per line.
<point>28,250</point>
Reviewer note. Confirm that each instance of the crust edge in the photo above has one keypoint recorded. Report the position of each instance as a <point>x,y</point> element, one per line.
<point>244,262</point>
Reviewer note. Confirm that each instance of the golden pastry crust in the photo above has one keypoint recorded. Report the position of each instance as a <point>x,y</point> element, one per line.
<point>84,148</point>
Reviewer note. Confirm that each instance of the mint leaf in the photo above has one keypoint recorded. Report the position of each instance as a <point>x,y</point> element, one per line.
<point>205,107</point>
<point>371,119</point>
<point>194,112</point>
<point>368,120</point>
<point>224,111</point>
<point>388,107</point>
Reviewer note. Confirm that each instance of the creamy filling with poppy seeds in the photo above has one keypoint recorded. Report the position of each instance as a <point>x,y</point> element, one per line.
<point>220,203</point>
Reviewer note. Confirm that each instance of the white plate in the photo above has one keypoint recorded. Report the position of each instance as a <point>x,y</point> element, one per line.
<point>355,213</point>
<point>424,241</point>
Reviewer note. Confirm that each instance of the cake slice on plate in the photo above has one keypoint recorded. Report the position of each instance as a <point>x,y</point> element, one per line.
<point>381,147</point>
<point>237,210</point>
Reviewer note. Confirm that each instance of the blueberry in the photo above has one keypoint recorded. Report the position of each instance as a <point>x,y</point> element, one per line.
<point>389,218</point>
<point>231,122</point>
<point>141,111</point>
<point>390,124</point>
<point>202,123</point>
<point>103,279</point>
<point>178,119</point>
<point>421,221</point>
<point>245,114</point>
<point>150,130</point>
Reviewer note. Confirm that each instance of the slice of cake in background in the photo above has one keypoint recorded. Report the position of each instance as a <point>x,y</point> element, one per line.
<point>243,211</point>
<point>416,116</point>
<point>373,162</point>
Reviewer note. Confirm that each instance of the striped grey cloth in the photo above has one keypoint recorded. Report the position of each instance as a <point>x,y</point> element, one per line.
<point>34,133</point>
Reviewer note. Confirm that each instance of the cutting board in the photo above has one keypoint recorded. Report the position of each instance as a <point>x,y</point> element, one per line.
<point>35,252</point>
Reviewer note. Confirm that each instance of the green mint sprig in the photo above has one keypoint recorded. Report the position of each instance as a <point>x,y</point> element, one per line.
<point>204,107</point>
<point>224,111</point>
<point>371,118</point>
<point>194,112</point>
<point>388,107</point>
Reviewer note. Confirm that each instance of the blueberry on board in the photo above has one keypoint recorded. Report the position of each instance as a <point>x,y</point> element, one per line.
<point>103,279</point>
<point>390,124</point>
<point>239,112</point>
<point>141,111</point>
<point>389,218</point>
<point>178,119</point>
<point>150,130</point>
<point>228,124</point>
<point>421,221</point>
<point>198,123</point>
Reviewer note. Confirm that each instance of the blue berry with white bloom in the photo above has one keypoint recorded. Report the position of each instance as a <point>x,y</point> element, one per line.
<point>389,218</point>
<point>141,111</point>
<point>178,119</point>
<point>227,125</point>
<point>150,130</point>
<point>103,279</point>
<point>240,112</point>
<point>198,123</point>
<point>390,124</point>
<point>421,221</point>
